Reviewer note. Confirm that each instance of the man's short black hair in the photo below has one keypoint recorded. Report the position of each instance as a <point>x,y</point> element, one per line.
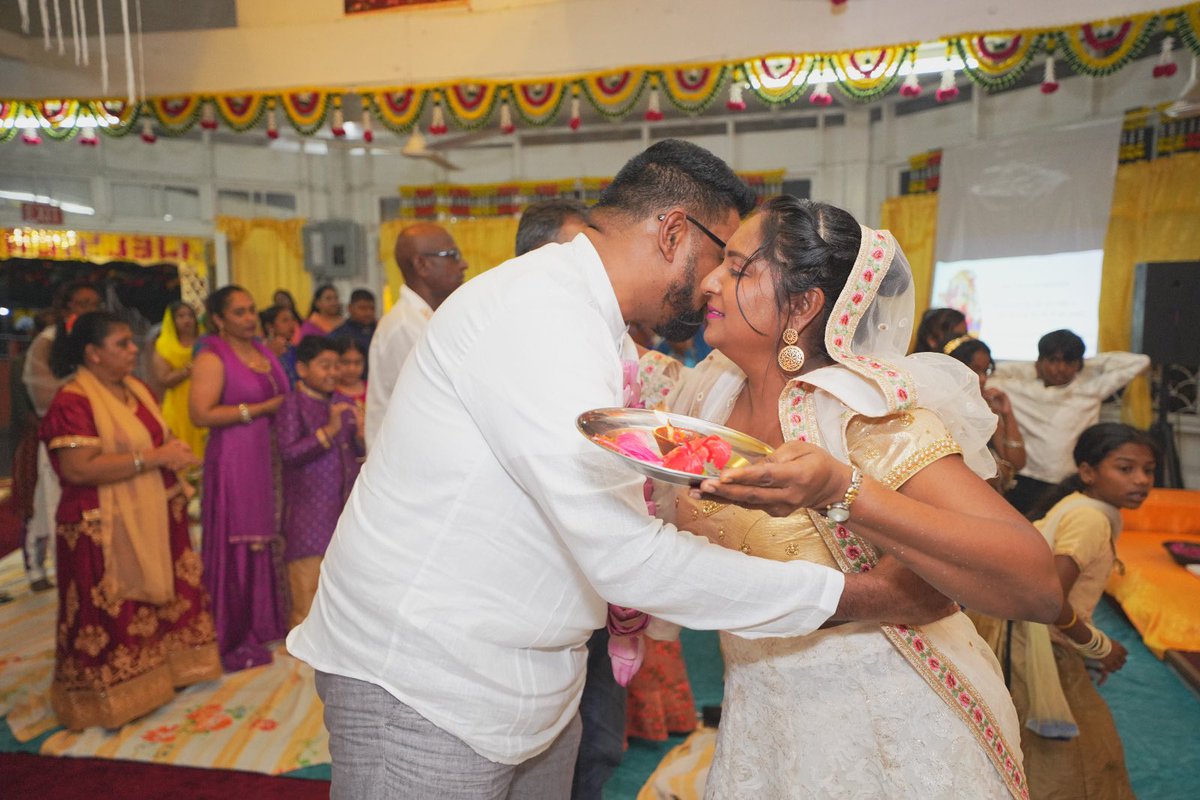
<point>1062,344</point>
<point>677,173</point>
<point>312,346</point>
<point>542,221</point>
<point>362,294</point>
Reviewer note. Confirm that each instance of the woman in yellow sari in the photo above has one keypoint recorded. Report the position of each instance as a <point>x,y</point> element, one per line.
<point>173,369</point>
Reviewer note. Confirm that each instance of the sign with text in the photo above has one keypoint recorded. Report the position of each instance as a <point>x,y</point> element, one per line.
<point>41,214</point>
<point>99,248</point>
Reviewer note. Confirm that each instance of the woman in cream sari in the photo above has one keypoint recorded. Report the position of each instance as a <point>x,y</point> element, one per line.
<point>133,618</point>
<point>811,315</point>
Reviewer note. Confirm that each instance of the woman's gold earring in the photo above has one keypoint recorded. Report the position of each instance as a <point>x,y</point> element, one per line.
<point>791,357</point>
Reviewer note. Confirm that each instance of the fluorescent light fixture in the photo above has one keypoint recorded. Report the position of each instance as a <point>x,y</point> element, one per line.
<point>29,197</point>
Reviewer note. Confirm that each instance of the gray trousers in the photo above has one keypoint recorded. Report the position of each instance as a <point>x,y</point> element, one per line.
<point>384,750</point>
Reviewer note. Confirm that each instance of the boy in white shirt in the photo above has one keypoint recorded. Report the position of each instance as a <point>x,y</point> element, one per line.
<point>1055,399</point>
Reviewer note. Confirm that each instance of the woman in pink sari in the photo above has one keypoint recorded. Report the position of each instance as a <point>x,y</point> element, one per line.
<point>237,386</point>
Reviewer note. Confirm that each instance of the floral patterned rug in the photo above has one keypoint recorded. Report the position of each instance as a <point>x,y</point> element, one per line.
<point>265,720</point>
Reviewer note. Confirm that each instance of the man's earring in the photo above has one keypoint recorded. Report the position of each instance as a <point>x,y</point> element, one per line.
<point>791,357</point>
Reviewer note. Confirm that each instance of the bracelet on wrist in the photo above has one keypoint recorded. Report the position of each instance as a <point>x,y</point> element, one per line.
<point>1097,647</point>
<point>323,437</point>
<point>840,511</point>
<point>1071,624</point>
<point>244,413</point>
<point>139,463</point>
<point>1014,443</point>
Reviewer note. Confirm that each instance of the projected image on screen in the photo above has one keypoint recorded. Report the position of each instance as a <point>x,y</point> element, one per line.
<point>1011,302</point>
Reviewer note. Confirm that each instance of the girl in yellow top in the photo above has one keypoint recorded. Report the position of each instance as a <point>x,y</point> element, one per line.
<point>173,369</point>
<point>1070,743</point>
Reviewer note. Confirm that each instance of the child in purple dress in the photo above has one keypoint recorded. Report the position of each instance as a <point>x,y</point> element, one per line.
<point>320,438</point>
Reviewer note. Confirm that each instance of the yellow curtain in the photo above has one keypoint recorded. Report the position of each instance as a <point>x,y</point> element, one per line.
<point>265,255</point>
<point>484,243</point>
<point>912,219</point>
<point>1155,213</point>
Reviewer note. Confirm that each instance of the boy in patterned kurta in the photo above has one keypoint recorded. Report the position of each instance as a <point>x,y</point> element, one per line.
<point>321,448</point>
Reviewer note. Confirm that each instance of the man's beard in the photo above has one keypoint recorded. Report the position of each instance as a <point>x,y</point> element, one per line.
<point>685,319</point>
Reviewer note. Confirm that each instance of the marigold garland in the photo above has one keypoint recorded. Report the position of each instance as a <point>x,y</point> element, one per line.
<point>994,61</point>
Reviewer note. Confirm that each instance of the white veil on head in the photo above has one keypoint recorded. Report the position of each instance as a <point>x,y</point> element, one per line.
<point>867,333</point>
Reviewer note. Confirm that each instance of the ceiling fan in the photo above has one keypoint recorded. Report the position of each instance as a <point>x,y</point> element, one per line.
<point>418,147</point>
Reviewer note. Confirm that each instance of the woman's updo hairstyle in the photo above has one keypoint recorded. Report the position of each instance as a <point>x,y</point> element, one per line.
<point>66,354</point>
<point>810,245</point>
<point>216,303</point>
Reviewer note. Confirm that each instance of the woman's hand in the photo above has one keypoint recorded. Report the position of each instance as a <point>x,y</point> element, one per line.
<point>998,402</point>
<point>173,455</point>
<point>268,407</point>
<point>1112,662</point>
<point>797,475</point>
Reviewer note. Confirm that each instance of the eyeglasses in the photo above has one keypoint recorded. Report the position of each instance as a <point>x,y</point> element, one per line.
<point>719,241</point>
<point>453,253</point>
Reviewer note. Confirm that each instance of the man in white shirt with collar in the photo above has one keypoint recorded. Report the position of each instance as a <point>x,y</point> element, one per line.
<point>433,267</point>
<point>484,534</point>
<point>1054,400</point>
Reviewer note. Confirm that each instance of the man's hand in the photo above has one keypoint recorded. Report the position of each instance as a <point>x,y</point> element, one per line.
<point>797,475</point>
<point>890,593</point>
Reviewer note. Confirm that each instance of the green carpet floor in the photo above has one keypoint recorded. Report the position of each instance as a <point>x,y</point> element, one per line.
<point>1157,716</point>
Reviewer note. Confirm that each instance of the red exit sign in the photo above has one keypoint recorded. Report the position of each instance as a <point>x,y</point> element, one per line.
<point>41,214</point>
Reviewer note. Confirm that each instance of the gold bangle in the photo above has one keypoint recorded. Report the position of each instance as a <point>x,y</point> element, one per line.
<point>323,437</point>
<point>1071,624</point>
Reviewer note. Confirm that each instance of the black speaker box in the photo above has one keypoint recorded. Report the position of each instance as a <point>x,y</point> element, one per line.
<point>1166,312</point>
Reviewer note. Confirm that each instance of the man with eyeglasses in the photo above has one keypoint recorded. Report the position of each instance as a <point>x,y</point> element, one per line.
<point>433,267</point>
<point>484,534</point>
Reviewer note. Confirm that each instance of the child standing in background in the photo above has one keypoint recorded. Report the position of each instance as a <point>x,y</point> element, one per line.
<point>352,360</point>
<point>320,445</point>
<point>1054,400</point>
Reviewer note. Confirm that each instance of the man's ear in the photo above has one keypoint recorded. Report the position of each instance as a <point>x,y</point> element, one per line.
<point>672,229</point>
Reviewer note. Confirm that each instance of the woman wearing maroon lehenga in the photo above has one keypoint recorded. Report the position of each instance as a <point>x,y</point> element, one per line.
<point>133,619</point>
<point>237,385</point>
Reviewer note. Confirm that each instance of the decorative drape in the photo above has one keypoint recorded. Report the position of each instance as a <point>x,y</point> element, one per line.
<point>265,255</point>
<point>912,219</point>
<point>1155,210</point>
<point>484,242</point>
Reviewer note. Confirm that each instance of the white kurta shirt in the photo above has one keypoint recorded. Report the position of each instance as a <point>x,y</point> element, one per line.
<point>1051,418</point>
<point>395,337</point>
<point>469,566</point>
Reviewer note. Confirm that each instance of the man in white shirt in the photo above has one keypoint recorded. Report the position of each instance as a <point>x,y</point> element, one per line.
<point>1054,400</point>
<point>484,534</point>
<point>433,267</point>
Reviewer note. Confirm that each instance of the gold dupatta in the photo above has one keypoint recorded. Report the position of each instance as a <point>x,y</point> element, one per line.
<point>133,512</point>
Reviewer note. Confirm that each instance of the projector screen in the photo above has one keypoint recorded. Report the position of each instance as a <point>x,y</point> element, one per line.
<point>1020,231</point>
<point>1011,302</point>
